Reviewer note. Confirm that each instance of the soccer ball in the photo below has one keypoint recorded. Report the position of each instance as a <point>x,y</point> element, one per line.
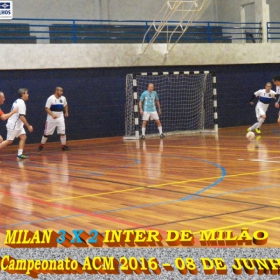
<point>250,135</point>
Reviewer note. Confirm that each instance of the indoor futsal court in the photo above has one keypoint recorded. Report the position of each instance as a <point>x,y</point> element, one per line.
<point>197,181</point>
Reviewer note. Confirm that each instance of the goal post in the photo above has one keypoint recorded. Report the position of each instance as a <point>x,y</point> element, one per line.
<point>188,102</point>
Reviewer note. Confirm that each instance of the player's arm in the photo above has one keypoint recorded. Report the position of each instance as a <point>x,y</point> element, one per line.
<point>277,102</point>
<point>158,106</point>
<point>66,114</point>
<point>48,110</point>
<point>253,97</point>
<point>23,119</point>
<point>4,117</point>
<point>141,106</point>
<point>141,103</point>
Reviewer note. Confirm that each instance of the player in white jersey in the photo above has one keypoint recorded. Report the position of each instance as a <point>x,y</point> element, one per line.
<point>16,122</point>
<point>55,107</point>
<point>3,116</point>
<point>265,97</point>
<point>276,81</point>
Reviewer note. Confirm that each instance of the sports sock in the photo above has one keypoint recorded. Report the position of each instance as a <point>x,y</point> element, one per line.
<point>160,129</point>
<point>20,151</point>
<point>143,130</point>
<point>63,140</point>
<point>44,140</point>
<point>254,126</point>
<point>261,121</point>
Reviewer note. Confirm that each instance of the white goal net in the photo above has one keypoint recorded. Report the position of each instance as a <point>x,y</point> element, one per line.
<point>188,102</point>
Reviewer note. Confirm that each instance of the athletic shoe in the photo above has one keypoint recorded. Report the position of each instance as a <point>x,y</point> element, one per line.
<point>258,130</point>
<point>248,129</point>
<point>161,136</point>
<point>22,157</point>
<point>41,147</point>
<point>64,148</point>
<point>142,137</point>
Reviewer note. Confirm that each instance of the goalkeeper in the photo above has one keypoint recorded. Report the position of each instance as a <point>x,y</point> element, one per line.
<point>148,102</point>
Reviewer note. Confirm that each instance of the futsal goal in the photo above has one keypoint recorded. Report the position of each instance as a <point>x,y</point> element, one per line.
<point>188,102</point>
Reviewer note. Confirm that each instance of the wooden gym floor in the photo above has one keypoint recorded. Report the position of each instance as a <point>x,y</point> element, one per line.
<point>195,182</point>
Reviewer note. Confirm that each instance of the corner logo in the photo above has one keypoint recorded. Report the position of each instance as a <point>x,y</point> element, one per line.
<point>6,10</point>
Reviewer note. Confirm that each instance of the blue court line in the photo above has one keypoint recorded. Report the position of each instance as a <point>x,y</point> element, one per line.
<point>210,186</point>
<point>186,198</point>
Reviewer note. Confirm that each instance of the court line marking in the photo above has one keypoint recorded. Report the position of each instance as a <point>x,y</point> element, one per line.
<point>188,197</point>
<point>264,160</point>
<point>165,184</point>
<point>71,208</point>
<point>158,185</point>
<point>207,217</point>
<point>243,224</point>
<point>214,148</point>
<point>43,220</point>
<point>36,164</point>
<point>198,197</point>
<point>239,191</point>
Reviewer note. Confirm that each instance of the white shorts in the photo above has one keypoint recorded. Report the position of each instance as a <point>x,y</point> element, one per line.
<point>12,134</point>
<point>50,127</point>
<point>261,109</point>
<point>150,116</point>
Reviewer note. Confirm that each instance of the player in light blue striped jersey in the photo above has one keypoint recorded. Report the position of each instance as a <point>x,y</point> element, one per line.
<point>148,102</point>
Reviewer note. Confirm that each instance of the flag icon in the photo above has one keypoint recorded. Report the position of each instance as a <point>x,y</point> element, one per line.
<point>5,5</point>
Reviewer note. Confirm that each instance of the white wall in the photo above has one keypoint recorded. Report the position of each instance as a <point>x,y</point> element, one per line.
<point>51,56</point>
<point>148,9</point>
<point>217,10</point>
<point>229,10</point>
<point>274,10</point>
<point>98,9</point>
<point>85,9</point>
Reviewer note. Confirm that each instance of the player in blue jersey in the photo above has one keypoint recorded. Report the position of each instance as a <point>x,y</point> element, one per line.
<point>57,108</point>
<point>148,102</point>
<point>265,97</point>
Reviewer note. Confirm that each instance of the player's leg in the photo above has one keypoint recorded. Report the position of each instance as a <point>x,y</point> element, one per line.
<point>5,143</point>
<point>22,139</point>
<point>11,135</point>
<point>159,128</point>
<point>145,119</point>
<point>144,124</point>
<point>63,142</point>
<point>261,116</point>
<point>61,131</point>
<point>1,139</point>
<point>154,116</point>
<point>49,130</point>
<point>258,124</point>
<point>278,118</point>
